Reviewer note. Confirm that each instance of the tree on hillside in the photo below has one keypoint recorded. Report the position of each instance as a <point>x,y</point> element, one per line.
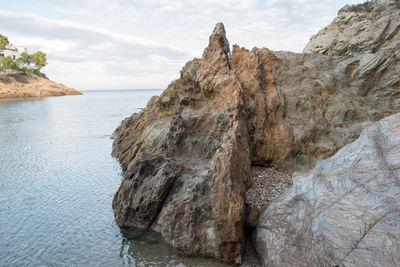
<point>7,63</point>
<point>39,59</point>
<point>24,62</point>
<point>24,58</point>
<point>3,41</point>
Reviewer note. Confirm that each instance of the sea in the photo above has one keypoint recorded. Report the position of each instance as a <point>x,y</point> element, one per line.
<point>57,181</point>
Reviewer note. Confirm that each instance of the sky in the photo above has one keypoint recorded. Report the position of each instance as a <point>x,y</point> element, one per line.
<point>133,44</point>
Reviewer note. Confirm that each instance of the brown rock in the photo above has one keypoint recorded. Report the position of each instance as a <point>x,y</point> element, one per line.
<point>31,85</point>
<point>218,44</point>
<point>252,213</point>
<point>203,212</point>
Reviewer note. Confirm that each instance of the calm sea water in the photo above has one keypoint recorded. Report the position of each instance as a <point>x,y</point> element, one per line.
<point>57,180</point>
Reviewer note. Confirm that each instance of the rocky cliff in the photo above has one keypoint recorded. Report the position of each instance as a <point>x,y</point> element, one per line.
<point>31,85</point>
<point>189,154</point>
<point>371,27</point>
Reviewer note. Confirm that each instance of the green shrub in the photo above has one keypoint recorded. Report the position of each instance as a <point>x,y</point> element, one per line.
<point>7,63</point>
<point>26,62</point>
<point>3,41</point>
<point>39,59</point>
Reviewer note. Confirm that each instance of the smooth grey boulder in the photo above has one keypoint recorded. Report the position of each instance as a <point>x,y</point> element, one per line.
<point>344,212</point>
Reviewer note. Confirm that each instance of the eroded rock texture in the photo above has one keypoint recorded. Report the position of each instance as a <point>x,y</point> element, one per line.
<point>370,27</point>
<point>344,212</point>
<point>366,37</point>
<point>188,154</point>
<point>188,159</point>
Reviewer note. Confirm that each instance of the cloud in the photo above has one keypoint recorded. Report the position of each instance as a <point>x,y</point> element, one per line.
<point>72,46</point>
<point>102,44</point>
<point>166,5</point>
<point>80,33</point>
<point>284,24</point>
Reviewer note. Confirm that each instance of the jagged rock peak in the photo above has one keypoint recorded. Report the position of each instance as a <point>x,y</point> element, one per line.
<point>217,41</point>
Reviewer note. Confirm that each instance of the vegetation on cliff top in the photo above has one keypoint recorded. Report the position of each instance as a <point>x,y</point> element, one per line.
<point>3,41</point>
<point>25,62</point>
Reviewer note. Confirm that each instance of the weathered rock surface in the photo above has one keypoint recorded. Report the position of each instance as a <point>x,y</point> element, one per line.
<point>366,38</point>
<point>188,155</point>
<point>344,212</point>
<point>370,27</point>
<point>31,85</point>
<point>187,159</point>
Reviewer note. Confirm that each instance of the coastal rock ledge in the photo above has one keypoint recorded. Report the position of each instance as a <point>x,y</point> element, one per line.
<point>189,155</point>
<point>24,85</point>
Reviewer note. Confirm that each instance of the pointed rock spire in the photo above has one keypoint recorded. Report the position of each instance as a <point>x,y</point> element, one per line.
<point>217,42</point>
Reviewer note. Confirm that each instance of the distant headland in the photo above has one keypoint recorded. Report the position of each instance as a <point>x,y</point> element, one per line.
<point>21,76</point>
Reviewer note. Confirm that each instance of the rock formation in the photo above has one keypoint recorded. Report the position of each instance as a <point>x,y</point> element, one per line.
<point>371,27</point>
<point>344,212</point>
<point>188,155</point>
<point>187,159</point>
<point>366,38</point>
<point>31,85</point>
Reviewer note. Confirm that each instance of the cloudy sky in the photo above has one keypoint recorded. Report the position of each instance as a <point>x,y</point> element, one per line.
<point>135,44</point>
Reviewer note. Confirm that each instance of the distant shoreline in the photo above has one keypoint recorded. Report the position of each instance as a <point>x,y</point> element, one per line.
<point>28,85</point>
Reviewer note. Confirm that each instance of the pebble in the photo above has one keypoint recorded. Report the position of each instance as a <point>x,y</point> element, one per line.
<point>267,183</point>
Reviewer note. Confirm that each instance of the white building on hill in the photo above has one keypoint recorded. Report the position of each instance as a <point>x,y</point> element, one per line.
<point>13,51</point>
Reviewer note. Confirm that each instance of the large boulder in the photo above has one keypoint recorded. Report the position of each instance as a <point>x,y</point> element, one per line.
<point>344,212</point>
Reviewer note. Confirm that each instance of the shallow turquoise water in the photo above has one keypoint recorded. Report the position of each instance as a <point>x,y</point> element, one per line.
<point>57,180</point>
